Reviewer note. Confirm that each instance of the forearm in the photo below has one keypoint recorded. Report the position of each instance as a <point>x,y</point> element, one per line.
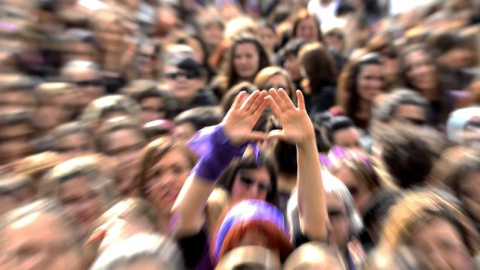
<point>311,195</point>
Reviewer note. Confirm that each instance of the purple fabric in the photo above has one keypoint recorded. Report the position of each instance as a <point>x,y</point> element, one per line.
<point>215,152</point>
<point>248,210</point>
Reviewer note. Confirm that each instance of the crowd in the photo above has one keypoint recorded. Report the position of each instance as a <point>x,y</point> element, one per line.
<point>239,134</point>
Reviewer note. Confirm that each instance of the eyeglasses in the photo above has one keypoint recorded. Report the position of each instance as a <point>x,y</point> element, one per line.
<point>80,199</point>
<point>250,183</point>
<point>187,75</point>
<point>87,83</point>
<point>335,214</point>
<point>125,149</point>
<point>414,121</point>
<point>335,35</point>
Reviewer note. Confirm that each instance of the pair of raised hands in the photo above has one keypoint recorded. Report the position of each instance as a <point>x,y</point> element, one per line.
<point>246,110</point>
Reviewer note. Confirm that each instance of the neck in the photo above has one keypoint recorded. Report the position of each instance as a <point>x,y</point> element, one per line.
<point>364,109</point>
<point>430,94</point>
<point>184,102</point>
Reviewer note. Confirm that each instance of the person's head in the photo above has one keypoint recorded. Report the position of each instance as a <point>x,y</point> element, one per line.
<point>407,153</point>
<point>360,81</point>
<point>185,77</point>
<point>56,104</point>
<point>164,168</point>
<point>72,140</point>
<point>251,223</point>
<point>86,76</point>
<point>189,122</point>
<point>16,131</point>
<point>340,131</point>
<point>246,57</point>
<point>147,64</point>
<point>400,258</point>
<point>17,91</point>
<point>212,29</point>
<point>15,190</point>
<point>80,185</point>
<point>335,39</point>
<point>249,258</point>
<point>452,50</point>
<point>158,128</point>
<point>306,26</point>
<point>318,66</point>
<point>403,105</point>
<point>435,228</point>
<point>231,94</point>
<point>141,251</point>
<point>275,77</point>
<point>315,256</point>
<point>154,103</point>
<point>463,180</point>
<point>291,61</point>
<point>122,139</point>
<point>79,44</point>
<point>40,235</point>
<point>417,70</point>
<point>268,36</point>
<point>249,178</point>
<point>108,107</point>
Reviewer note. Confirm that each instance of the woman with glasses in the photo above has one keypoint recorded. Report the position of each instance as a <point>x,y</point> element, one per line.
<point>276,78</point>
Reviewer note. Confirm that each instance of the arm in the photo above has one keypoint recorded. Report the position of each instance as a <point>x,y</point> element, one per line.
<point>298,129</point>
<point>225,142</point>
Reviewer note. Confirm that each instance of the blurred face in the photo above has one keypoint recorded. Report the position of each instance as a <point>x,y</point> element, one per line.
<point>339,222</point>
<point>58,110</point>
<point>153,108</point>
<point>470,194</point>
<point>421,71</point>
<point>370,82</point>
<point>184,86</point>
<point>184,132</point>
<point>74,145</point>
<point>251,184</point>
<point>292,65</point>
<point>7,203</point>
<point>41,242</point>
<point>268,39</point>
<point>307,29</point>
<point>348,138</point>
<point>246,60</point>
<point>166,179</point>
<point>458,57</point>
<point>335,41</point>
<point>278,81</point>
<point>359,191</point>
<point>82,201</point>
<point>146,60</point>
<point>411,113</point>
<point>14,143</point>
<point>441,246</point>
<point>213,34</point>
<point>80,51</point>
<point>125,145</point>
<point>17,98</point>
<point>89,83</point>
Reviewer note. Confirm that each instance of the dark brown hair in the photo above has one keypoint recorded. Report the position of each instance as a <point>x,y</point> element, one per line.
<point>303,15</point>
<point>319,67</point>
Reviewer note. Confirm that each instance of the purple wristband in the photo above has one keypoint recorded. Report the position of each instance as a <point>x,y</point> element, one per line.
<point>215,151</point>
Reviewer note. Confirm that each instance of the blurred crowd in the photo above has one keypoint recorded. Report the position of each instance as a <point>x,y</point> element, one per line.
<point>239,134</point>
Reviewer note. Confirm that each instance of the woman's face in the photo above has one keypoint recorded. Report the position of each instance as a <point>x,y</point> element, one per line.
<point>82,201</point>
<point>470,194</point>
<point>359,191</point>
<point>370,82</point>
<point>153,108</point>
<point>441,246</point>
<point>251,184</point>
<point>278,81</point>
<point>213,34</point>
<point>146,59</point>
<point>339,229</point>
<point>268,39</point>
<point>335,41</point>
<point>246,60</point>
<point>307,29</point>
<point>166,179</point>
<point>421,72</point>
<point>292,65</point>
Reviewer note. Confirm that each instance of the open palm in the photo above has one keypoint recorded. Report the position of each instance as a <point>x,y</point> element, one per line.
<point>297,127</point>
<point>242,117</point>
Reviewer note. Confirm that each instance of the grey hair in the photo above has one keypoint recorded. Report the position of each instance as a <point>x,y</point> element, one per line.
<point>332,185</point>
<point>141,246</point>
<point>86,166</point>
<point>400,96</point>
<point>43,206</point>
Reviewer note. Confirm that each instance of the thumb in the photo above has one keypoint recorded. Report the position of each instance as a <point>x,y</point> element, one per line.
<point>276,134</point>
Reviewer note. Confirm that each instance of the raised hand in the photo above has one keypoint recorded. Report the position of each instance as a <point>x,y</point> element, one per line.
<point>243,116</point>
<point>297,127</point>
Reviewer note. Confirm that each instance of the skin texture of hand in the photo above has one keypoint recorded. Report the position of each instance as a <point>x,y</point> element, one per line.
<point>297,127</point>
<point>242,117</point>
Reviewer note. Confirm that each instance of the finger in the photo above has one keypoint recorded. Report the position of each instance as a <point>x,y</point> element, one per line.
<point>258,101</point>
<point>278,100</point>
<point>276,110</point>
<point>276,134</point>
<point>239,99</point>
<point>301,100</point>
<point>247,103</point>
<point>288,101</point>
<point>256,115</point>
<point>257,136</point>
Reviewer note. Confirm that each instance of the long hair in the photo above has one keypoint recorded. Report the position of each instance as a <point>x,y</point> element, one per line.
<point>265,74</point>
<point>347,95</point>
<point>303,15</point>
<point>404,67</point>
<point>319,66</point>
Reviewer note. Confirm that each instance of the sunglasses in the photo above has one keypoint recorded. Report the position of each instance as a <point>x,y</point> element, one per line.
<point>335,35</point>
<point>89,83</point>
<point>416,122</point>
<point>250,183</point>
<point>336,214</point>
<point>176,75</point>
